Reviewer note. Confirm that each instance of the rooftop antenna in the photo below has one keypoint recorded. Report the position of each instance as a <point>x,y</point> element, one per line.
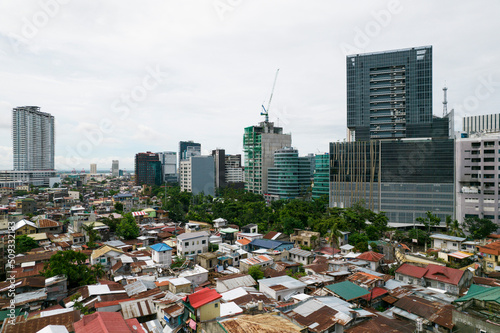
<point>266,111</point>
<point>445,101</point>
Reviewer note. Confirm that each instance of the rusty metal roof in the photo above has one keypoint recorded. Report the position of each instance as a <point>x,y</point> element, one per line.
<point>138,308</point>
<point>262,323</point>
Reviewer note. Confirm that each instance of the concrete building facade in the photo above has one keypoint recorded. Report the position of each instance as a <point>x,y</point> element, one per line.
<point>168,160</point>
<point>477,182</point>
<point>115,168</point>
<point>196,175</point>
<point>259,144</point>
<point>33,136</point>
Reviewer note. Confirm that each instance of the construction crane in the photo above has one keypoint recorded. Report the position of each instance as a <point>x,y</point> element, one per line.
<point>266,111</point>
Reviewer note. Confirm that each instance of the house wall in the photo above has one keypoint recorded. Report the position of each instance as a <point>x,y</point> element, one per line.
<point>410,280</point>
<point>209,311</point>
<point>193,246</point>
<point>164,257</point>
<point>443,244</point>
<point>279,295</point>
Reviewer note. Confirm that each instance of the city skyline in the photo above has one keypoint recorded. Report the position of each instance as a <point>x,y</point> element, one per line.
<point>196,69</point>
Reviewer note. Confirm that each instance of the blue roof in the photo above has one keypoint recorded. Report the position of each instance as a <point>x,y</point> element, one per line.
<point>122,195</point>
<point>267,243</point>
<point>160,247</point>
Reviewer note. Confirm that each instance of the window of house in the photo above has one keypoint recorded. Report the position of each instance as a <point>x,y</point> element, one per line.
<point>186,244</point>
<point>410,280</point>
<point>441,285</point>
<point>454,244</point>
<point>203,242</point>
<point>400,278</point>
<point>216,305</point>
<point>197,242</point>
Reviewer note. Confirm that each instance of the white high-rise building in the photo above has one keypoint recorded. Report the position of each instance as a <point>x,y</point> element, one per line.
<point>93,168</point>
<point>33,139</point>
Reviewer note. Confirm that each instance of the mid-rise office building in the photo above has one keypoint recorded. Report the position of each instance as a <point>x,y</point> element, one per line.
<point>168,161</point>
<point>477,181</point>
<point>290,177</point>
<point>33,139</point>
<point>259,144</point>
<point>321,177</point>
<point>148,169</point>
<point>235,175</point>
<point>197,175</point>
<point>115,168</point>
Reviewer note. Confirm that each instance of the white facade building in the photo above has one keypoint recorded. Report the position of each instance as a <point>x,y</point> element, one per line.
<point>190,244</point>
<point>33,139</point>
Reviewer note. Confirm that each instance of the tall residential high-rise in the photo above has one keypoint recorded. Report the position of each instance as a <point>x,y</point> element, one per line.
<point>290,177</point>
<point>148,169</point>
<point>389,94</point>
<point>33,139</point>
<point>168,161</point>
<point>93,168</point>
<point>115,168</point>
<point>259,144</point>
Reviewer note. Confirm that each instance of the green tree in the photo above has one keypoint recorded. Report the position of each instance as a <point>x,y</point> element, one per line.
<point>25,243</point>
<point>119,207</point>
<point>256,273</point>
<point>72,264</point>
<point>421,236</point>
<point>92,234</point>
<point>127,228</point>
<point>454,228</point>
<point>479,228</point>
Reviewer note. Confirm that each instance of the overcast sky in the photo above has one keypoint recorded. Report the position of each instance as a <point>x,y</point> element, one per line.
<point>122,77</point>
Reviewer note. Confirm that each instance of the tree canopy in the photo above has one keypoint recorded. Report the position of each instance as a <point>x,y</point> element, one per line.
<point>479,228</point>
<point>72,264</point>
<point>25,243</point>
<point>128,228</point>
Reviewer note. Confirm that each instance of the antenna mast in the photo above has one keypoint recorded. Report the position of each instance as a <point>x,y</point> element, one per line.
<point>445,101</point>
<point>266,111</point>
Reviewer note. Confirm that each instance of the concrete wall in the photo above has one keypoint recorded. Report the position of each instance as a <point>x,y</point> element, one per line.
<point>209,311</point>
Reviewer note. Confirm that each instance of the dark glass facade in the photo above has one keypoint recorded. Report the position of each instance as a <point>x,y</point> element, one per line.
<point>389,94</point>
<point>404,178</point>
<point>148,169</point>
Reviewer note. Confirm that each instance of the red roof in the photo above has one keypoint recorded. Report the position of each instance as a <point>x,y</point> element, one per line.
<point>243,241</point>
<point>370,256</point>
<point>202,297</point>
<point>105,322</point>
<point>111,303</point>
<point>411,270</point>
<point>444,274</point>
<point>376,292</point>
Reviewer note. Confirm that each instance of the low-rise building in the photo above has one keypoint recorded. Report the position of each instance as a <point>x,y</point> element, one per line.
<point>491,256</point>
<point>305,238</point>
<point>203,304</point>
<point>301,256</point>
<point>261,261</point>
<point>447,242</point>
<point>190,244</point>
<point>161,254</point>
<point>375,259</point>
<point>281,288</point>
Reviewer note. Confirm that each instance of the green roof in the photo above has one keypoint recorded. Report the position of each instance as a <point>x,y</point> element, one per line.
<point>480,293</point>
<point>348,290</point>
<point>4,313</point>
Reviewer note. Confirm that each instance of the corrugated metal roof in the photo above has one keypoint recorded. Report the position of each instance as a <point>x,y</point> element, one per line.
<point>300,252</point>
<point>136,309</point>
<point>240,281</point>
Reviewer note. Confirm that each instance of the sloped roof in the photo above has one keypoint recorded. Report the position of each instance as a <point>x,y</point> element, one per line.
<point>480,293</point>
<point>491,248</point>
<point>370,256</point>
<point>260,323</point>
<point>232,283</point>
<point>103,250</point>
<point>190,235</point>
<point>243,241</point>
<point>433,311</point>
<point>160,247</point>
<point>300,252</point>
<point>347,290</point>
<point>412,270</point>
<point>376,292</point>
<point>448,237</point>
<point>105,322</point>
<point>46,223</point>
<point>444,274</point>
<point>202,297</point>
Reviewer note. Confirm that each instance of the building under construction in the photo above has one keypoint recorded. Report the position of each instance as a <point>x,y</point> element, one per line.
<point>259,144</point>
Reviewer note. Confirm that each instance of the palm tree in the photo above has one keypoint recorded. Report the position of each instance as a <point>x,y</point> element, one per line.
<point>334,232</point>
<point>455,229</point>
<point>91,233</point>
